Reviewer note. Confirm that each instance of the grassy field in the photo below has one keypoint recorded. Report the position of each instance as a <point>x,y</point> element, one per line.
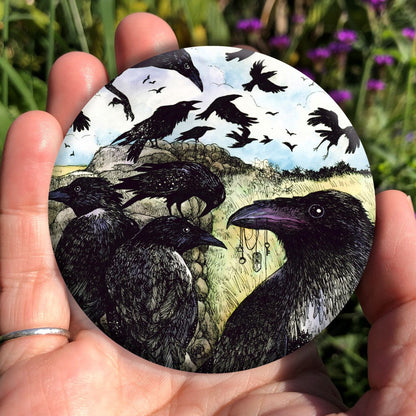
<point>230,282</point>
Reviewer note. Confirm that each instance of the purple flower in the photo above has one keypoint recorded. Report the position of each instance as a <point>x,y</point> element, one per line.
<point>375,85</point>
<point>308,73</point>
<point>318,54</point>
<point>410,137</point>
<point>338,48</point>
<point>341,96</point>
<point>377,5</point>
<point>280,42</point>
<point>249,25</point>
<point>346,36</point>
<point>382,60</point>
<point>298,18</point>
<point>408,33</point>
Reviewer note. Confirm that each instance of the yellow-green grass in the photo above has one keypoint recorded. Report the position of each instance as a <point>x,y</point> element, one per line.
<point>229,281</point>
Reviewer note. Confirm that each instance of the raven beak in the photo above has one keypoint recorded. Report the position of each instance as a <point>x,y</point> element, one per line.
<point>195,78</point>
<point>208,239</point>
<point>265,215</point>
<point>59,195</point>
<point>194,102</point>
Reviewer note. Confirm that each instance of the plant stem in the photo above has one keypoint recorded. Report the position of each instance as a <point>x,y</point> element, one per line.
<point>51,37</point>
<point>5,78</point>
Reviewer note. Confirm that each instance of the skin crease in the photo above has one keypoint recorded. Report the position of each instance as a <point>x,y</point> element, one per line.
<point>91,375</point>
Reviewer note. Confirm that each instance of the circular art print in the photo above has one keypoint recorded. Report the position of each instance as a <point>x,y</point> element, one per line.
<point>211,209</point>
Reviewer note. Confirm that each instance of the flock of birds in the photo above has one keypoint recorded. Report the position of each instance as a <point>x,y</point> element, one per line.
<point>152,129</point>
<point>136,276</point>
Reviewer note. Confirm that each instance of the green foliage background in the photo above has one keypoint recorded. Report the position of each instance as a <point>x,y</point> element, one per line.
<point>35,32</point>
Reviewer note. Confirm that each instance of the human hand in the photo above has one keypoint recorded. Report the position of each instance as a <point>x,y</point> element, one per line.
<point>92,375</point>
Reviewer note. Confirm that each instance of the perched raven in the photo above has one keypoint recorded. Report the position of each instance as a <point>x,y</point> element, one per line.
<point>327,237</point>
<point>195,133</point>
<point>90,239</point>
<point>228,111</point>
<point>261,79</point>
<point>155,307</point>
<point>330,119</point>
<point>240,139</point>
<point>81,122</point>
<point>179,61</point>
<point>159,125</point>
<point>177,182</point>
<point>240,55</point>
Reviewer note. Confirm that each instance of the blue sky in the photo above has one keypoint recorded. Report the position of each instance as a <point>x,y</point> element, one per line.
<point>219,78</point>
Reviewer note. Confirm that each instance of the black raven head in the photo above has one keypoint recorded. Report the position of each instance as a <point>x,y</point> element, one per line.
<point>174,113</point>
<point>176,232</point>
<point>185,67</point>
<point>214,195</point>
<point>86,194</point>
<point>324,219</point>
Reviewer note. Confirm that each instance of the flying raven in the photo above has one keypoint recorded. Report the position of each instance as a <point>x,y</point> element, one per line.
<point>242,139</point>
<point>266,139</point>
<point>159,125</point>
<point>240,55</point>
<point>81,122</point>
<point>228,111</point>
<point>90,239</point>
<point>177,182</point>
<point>261,79</point>
<point>290,145</point>
<point>330,119</point>
<point>179,61</point>
<point>154,311</point>
<point>327,237</point>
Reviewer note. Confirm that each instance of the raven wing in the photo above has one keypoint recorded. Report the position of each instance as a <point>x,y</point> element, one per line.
<point>323,116</point>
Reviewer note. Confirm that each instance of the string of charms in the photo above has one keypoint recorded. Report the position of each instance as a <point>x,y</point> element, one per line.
<point>256,257</point>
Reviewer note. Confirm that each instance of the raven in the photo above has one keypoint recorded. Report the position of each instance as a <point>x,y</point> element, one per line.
<point>240,139</point>
<point>240,55</point>
<point>155,308</point>
<point>226,110</point>
<point>89,240</point>
<point>159,125</point>
<point>81,122</point>
<point>330,119</point>
<point>290,145</point>
<point>177,182</point>
<point>122,99</point>
<point>261,79</point>
<point>179,61</point>
<point>327,237</point>
<point>266,139</point>
<point>195,133</point>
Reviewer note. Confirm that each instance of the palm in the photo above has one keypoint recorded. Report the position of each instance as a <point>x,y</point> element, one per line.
<point>91,374</point>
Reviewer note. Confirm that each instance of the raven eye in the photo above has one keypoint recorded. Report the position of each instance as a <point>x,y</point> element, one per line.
<point>316,211</point>
<point>186,230</point>
<point>77,188</point>
<point>186,66</point>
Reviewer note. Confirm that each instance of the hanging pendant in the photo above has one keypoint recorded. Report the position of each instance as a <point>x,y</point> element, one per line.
<point>257,257</point>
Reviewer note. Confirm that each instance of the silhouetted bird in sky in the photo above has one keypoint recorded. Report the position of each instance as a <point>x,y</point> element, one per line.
<point>290,145</point>
<point>120,98</point>
<point>159,125</point>
<point>228,111</point>
<point>146,79</point>
<point>330,119</point>
<point>157,90</point>
<point>180,61</point>
<point>240,55</point>
<point>266,139</point>
<point>290,133</point>
<point>67,145</point>
<point>89,240</point>
<point>81,122</point>
<point>72,153</point>
<point>261,79</point>
<point>177,182</point>
<point>272,113</point>
<point>327,237</point>
<point>242,139</point>
<point>155,308</point>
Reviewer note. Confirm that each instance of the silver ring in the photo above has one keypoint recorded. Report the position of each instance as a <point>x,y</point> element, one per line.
<point>34,331</point>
